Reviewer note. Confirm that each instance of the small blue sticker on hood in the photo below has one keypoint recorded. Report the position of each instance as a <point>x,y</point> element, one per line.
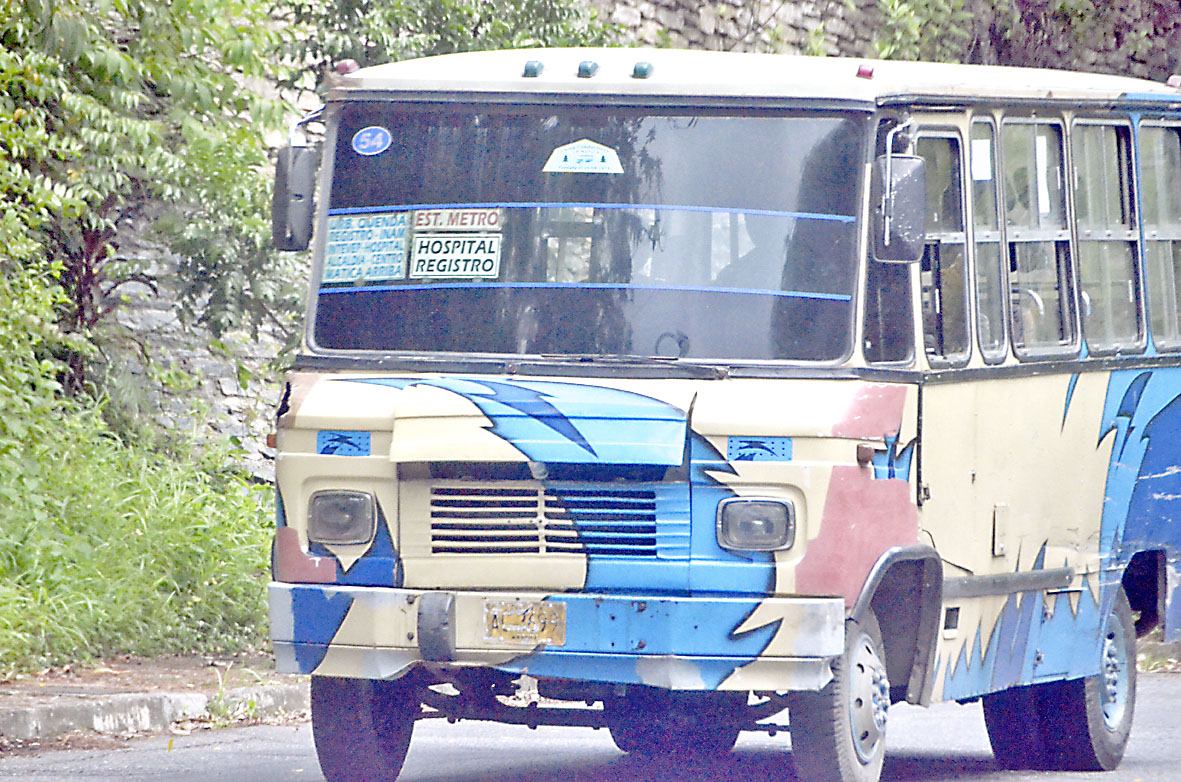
<point>337,443</point>
<point>372,140</point>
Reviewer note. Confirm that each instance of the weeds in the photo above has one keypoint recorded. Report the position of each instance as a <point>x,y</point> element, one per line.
<point>109,548</point>
<point>223,710</point>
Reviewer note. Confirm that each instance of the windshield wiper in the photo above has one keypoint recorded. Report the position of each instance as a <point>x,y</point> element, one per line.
<point>690,366</point>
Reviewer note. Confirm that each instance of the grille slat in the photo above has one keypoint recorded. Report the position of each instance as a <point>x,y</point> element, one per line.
<point>479,519</point>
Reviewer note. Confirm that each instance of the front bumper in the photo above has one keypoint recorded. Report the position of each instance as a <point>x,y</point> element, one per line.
<point>681,643</point>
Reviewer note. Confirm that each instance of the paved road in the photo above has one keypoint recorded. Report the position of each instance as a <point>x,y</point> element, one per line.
<point>946,742</point>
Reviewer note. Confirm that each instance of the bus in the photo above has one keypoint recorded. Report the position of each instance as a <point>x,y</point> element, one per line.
<point>689,393</point>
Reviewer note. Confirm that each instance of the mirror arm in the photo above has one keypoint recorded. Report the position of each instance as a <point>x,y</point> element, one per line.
<point>297,136</point>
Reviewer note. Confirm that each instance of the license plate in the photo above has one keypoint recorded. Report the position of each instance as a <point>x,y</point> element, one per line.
<point>530,622</point>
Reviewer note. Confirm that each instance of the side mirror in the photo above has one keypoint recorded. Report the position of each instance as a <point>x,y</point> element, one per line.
<point>898,194</point>
<point>292,204</point>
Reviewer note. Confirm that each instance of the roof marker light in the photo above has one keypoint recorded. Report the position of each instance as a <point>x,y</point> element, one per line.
<point>587,69</point>
<point>642,70</point>
<point>864,71</point>
<point>1174,81</point>
<point>345,67</point>
<point>533,69</point>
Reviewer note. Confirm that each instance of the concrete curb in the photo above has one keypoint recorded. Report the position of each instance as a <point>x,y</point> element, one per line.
<point>155,712</point>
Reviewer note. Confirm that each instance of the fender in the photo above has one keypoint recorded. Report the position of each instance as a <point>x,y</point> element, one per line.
<point>910,627</point>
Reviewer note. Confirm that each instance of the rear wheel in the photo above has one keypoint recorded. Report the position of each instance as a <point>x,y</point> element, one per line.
<point>362,727</point>
<point>1014,728</point>
<point>1081,724</point>
<point>839,733</point>
<point>1086,722</point>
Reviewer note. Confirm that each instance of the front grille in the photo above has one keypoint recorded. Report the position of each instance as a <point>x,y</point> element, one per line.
<point>603,521</point>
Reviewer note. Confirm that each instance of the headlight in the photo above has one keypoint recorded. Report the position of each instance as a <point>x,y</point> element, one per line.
<point>342,517</point>
<point>756,524</point>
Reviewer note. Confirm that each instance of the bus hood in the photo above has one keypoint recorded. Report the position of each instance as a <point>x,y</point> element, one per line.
<point>499,419</point>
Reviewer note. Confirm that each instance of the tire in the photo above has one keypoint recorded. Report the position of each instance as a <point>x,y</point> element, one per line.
<point>1086,722</point>
<point>362,727</point>
<point>1014,728</point>
<point>839,733</point>
<point>654,723</point>
<point>1074,725</point>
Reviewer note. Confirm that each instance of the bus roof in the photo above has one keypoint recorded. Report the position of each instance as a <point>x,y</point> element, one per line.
<point>684,73</point>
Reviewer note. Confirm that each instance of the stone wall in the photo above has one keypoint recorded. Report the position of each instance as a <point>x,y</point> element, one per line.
<point>180,377</point>
<point>806,27</point>
<point>1133,37</point>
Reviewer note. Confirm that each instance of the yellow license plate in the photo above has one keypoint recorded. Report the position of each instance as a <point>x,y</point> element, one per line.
<point>530,622</point>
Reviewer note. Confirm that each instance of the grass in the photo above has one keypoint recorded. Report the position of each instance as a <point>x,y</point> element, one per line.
<point>107,548</point>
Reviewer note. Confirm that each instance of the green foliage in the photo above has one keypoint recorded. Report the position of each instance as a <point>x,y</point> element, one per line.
<point>106,549</point>
<point>105,546</point>
<point>117,112</point>
<point>932,30</point>
<point>322,32</point>
<point>112,111</point>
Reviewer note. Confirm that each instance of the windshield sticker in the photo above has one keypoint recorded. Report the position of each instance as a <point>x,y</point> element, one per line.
<point>372,140</point>
<point>476,219</point>
<point>365,247</point>
<point>583,157</point>
<point>455,256</point>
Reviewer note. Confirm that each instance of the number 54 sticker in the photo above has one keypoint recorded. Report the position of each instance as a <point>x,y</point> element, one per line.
<point>372,140</point>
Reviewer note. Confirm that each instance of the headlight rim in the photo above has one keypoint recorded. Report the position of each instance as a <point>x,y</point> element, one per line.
<point>726,542</point>
<point>369,530</point>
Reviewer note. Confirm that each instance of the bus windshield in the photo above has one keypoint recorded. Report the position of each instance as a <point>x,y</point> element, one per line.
<point>699,233</point>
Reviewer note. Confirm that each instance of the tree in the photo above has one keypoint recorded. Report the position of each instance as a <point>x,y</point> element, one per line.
<point>1136,37</point>
<point>320,33</point>
<point>122,112</point>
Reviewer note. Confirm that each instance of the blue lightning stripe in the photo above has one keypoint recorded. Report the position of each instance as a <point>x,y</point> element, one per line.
<point>533,404</point>
<point>593,424</point>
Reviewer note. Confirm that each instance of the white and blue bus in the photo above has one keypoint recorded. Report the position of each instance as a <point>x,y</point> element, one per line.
<point>724,393</point>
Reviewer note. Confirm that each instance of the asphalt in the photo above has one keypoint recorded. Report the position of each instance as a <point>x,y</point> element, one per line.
<point>138,696</point>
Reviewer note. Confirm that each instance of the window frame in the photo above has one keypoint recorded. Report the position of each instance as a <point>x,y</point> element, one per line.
<point>1153,236</point>
<point>953,239</point>
<point>998,353</point>
<point>1058,238</point>
<point>1129,235</point>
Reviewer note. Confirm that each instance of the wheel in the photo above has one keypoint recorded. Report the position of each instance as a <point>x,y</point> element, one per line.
<point>1086,722</point>
<point>662,723</point>
<point>362,727</point>
<point>839,733</point>
<point>1075,725</point>
<point>1014,728</point>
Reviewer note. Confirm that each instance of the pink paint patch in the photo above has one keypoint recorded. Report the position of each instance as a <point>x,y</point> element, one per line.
<point>876,411</point>
<point>293,565</point>
<point>863,518</point>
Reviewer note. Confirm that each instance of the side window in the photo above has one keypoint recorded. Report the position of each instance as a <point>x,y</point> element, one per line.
<point>990,255</point>
<point>1160,186</point>
<point>1107,234</point>
<point>888,332</point>
<point>1038,237</point>
<point>888,325</point>
<point>944,269</point>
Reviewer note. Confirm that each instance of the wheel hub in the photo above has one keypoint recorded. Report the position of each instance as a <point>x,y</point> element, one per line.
<point>1113,685</point>
<point>869,701</point>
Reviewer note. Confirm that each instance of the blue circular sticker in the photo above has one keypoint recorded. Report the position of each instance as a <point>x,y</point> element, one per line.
<point>372,140</point>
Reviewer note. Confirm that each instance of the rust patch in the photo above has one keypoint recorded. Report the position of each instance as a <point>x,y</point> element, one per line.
<point>293,565</point>
<point>300,385</point>
<point>863,517</point>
